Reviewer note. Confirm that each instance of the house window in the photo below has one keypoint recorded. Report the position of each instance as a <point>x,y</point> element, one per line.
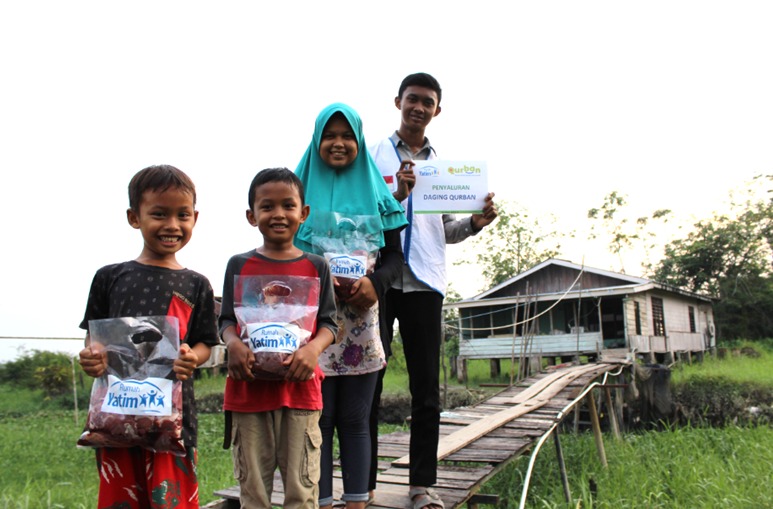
<point>637,317</point>
<point>691,313</point>
<point>658,320</point>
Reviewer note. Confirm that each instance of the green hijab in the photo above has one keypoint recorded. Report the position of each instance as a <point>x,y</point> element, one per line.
<point>357,190</point>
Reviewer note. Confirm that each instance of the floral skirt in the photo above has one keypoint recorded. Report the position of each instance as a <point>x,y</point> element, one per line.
<point>357,348</point>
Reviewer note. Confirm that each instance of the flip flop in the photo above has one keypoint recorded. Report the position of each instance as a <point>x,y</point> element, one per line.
<point>425,497</point>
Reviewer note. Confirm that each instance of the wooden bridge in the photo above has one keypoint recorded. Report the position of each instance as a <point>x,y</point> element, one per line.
<point>478,442</point>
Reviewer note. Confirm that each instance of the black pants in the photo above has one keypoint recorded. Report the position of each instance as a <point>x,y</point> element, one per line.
<point>419,315</point>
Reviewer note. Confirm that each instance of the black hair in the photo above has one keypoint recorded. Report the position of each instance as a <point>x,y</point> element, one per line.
<point>275,175</point>
<point>420,79</point>
<point>158,178</point>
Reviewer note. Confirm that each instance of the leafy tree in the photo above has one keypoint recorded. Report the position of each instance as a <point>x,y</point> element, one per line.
<point>514,243</point>
<point>49,371</point>
<point>622,232</point>
<point>729,257</point>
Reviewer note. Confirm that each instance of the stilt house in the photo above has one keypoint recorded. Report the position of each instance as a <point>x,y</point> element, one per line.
<point>562,309</point>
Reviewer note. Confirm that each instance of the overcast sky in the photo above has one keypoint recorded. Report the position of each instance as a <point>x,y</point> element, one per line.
<point>668,102</point>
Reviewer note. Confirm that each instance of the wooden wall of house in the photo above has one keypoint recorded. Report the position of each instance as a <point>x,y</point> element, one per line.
<point>554,279</point>
<point>630,314</point>
<point>676,312</point>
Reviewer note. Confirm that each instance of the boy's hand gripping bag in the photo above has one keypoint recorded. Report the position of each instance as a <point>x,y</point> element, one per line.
<point>138,401</point>
<point>347,245</point>
<point>276,315</point>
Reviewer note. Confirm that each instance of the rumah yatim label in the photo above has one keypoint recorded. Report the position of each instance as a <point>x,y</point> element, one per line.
<point>151,397</point>
<point>273,337</point>
<point>345,265</point>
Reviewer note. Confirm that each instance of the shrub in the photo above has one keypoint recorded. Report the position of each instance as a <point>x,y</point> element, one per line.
<point>49,371</point>
<point>718,402</point>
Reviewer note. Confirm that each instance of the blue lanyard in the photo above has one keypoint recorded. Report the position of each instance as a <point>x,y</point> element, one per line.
<point>409,213</point>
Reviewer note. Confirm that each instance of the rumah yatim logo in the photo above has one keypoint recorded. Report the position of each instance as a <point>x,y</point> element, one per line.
<point>464,170</point>
<point>429,171</point>
<point>273,337</point>
<point>344,265</point>
<point>152,396</point>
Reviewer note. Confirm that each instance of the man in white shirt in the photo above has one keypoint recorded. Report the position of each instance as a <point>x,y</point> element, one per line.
<point>416,298</point>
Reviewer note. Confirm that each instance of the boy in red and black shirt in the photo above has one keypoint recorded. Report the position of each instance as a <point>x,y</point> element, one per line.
<point>162,202</point>
<point>276,423</point>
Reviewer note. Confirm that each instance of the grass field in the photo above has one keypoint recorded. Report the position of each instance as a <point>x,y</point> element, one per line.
<point>696,466</point>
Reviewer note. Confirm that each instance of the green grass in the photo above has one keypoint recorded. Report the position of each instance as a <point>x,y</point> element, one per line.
<point>680,468</point>
<point>726,467</point>
<point>735,366</point>
<point>683,467</point>
<point>40,464</point>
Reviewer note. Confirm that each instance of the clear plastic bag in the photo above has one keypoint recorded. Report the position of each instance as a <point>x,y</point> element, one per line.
<point>138,401</point>
<point>347,245</point>
<point>276,316</point>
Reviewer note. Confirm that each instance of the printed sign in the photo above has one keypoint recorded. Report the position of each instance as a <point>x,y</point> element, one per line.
<point>152,396</point>
<point>273,337</point>
<point>448,187</point>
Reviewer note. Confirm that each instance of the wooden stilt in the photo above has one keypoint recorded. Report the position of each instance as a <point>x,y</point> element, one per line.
<point>612,413</point>
<point>461,370</point>
<point>562,466</point>
<point>596,425</point>
<point>576,426</point>
<point>494,368</point>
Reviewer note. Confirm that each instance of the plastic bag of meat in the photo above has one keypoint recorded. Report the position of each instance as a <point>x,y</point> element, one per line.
<point>138,401</point>
<point>276,315</point>
<point>348,246</point>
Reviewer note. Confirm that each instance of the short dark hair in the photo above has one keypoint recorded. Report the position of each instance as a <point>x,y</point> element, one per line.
<point>158,178</point>
<point>420,79</point>
<point>275,175</point>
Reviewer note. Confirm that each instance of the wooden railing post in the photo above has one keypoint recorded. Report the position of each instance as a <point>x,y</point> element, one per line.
<point>562,466</point>
<point>596,425</point>
<point>612,413</point>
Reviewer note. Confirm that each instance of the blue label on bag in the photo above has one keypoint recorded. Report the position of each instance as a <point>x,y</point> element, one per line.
<point>152,396</point>
<point>342,265</point>
<point>273,337</point>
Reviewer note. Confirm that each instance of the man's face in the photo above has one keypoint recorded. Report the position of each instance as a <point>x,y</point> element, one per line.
<point>418,105</point>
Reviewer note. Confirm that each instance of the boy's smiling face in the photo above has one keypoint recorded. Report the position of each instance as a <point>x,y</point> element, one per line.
<point>166,219</point>
<point>278,213</point>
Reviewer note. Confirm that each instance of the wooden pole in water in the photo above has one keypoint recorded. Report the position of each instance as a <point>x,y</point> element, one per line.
<point>515,337</point>
<point>611,411</point>
<point>562,466</point>
<point>523,366</point>
<point>596,425</point>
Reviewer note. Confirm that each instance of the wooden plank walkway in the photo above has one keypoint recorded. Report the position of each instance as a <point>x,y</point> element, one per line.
<point>475,442</point>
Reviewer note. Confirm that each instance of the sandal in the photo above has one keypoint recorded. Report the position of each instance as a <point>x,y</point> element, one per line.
<point>425,497</point>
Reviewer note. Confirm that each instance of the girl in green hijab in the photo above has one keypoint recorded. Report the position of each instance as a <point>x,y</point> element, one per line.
<point>353,218</point>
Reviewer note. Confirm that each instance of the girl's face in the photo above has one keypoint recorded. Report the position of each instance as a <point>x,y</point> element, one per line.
<point>338,147</point>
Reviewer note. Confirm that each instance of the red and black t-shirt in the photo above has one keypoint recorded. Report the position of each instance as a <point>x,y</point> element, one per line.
<point>268,395</point>
<point>132,289</point>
